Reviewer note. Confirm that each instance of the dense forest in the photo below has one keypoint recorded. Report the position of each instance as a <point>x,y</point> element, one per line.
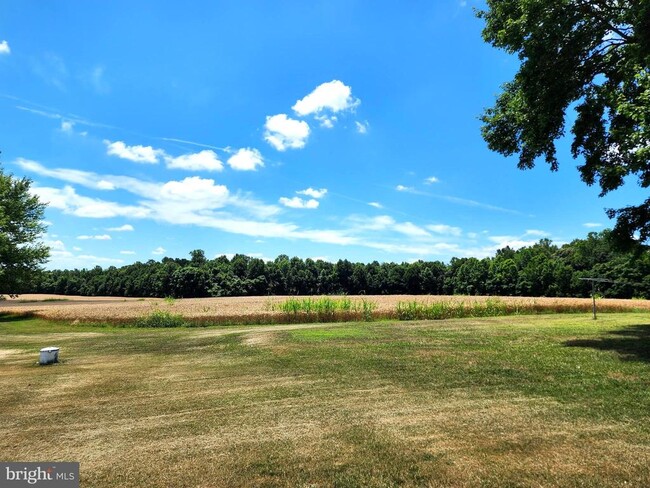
<point>543,269</point>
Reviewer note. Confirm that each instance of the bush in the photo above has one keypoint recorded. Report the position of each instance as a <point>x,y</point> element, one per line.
<point>159,318</point>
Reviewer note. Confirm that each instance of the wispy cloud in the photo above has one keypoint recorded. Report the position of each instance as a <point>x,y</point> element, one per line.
<point>592,225</point>
<point>192,143</point>
<point>52,69</point>
<point>362,127</point>
<point>102,237</point>
<point>159,251</point>
<point>122,228</point>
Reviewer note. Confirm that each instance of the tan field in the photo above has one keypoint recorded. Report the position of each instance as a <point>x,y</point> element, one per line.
<point>260,309</point>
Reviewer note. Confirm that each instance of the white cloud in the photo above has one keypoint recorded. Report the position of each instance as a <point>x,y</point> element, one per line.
<point>404,188</point>
<point>159,250</point>
<point>122,228</point>
<point>127,253</point>
<point>362,127</point>
<point>592,225</point>
<point>375,204</point>
<point>67,200</point>
<point>311,192</point>
<point>206,160</point>
<point>284,133</point>
<point>102,237</point>
<point>431,179</point>
<point>55,245</point>
<point>137,154</point>
<point>67,126</point>
<point>334,96</point>
<point>509,241</point>
<point>98,80</point>
<point>4,48</point>
<point>193,193</point>
<point>326,121</point>
<point>76,248</point>
<point>297,202</point>
<point>410,229</point>
<point>105,185</point>
<point>202,202</point>
<point>535,232</point>
<point>246,159</point>
<point>445,230</point>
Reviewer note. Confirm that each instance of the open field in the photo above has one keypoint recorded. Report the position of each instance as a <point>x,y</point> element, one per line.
<point>547,400</point>
<point>260,310</point>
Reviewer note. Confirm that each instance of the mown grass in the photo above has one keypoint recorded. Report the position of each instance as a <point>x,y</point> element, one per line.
<point>550,400</point>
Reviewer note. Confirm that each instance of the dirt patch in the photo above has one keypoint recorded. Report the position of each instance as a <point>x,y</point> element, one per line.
<point>7,353</point>
<point>259,339</point>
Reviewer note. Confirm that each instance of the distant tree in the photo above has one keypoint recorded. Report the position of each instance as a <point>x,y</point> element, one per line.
<point>21,226</point>
<point>592,53</point>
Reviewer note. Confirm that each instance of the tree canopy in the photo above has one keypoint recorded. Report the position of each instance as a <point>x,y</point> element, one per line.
<point>542,269</point>
<point>591,55</point>
<point>21,225</point>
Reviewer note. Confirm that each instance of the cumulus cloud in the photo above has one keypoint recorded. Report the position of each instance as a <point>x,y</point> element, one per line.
<point>4,48</point>
<point>246,159</point>
<point>159,251</point>
<point>333,96</point>
<point>311,192</point>
<point>103,237</point>
<point>206,160</point>
<point>297,202</point>
<point>137,154</point>
<point>122,228</point>
<point>285,133</point>
<point>193,192</point>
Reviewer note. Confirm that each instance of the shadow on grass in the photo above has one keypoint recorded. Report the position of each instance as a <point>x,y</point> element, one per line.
<point>16,317</point>
<point>632,343</point>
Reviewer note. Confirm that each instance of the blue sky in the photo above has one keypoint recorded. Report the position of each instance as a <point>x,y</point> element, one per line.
<point>321,129</point>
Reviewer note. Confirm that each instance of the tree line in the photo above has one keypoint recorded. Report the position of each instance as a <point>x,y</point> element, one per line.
<point>542,269</point>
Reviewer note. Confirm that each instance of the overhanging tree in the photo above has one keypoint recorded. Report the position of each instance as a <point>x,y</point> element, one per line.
<point>591,53</point>
<point>21,225</point>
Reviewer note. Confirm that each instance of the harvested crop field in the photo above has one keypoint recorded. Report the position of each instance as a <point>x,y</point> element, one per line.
<point>258,310</point>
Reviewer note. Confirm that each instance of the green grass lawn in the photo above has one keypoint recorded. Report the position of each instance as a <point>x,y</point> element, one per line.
<point>551,400</point>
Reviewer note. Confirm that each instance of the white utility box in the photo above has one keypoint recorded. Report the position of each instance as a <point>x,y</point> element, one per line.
<point>49,355</point>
